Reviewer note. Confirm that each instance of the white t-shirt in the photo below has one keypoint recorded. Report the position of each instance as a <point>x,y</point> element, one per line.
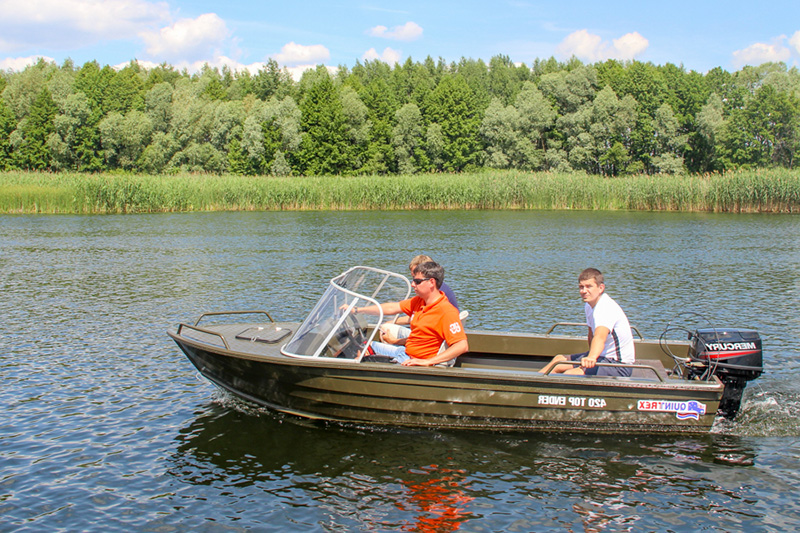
<point>619,343</point>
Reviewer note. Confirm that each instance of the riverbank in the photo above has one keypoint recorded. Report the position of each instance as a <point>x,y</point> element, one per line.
<point>761,191</point>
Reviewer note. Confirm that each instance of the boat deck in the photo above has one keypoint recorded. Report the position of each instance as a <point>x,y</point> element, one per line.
<point>265,340</point>
<point>645,369</point>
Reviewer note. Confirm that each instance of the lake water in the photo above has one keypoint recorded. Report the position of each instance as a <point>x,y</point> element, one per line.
<point>106,426</point>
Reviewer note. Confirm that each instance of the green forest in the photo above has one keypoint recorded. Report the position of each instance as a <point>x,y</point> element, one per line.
<point>610,118</point>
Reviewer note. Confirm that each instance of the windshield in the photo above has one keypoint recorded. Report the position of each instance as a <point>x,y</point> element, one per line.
<point>331,330</point>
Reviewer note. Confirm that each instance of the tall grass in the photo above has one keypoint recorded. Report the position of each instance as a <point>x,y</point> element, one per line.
<point>773,191</point>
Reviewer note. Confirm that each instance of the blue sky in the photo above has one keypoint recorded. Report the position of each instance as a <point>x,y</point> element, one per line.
<point>699,34</point>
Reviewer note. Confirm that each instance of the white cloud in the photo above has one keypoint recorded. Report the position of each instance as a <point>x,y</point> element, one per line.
<point>141,62</point>
<point>630,45</point>
<point>223,61</point>
<point>187,39</point>
<point>410,31</point>
<point>590,47</point>
<point>297,71</point>
<point>583,45</point>
<point>68,23</point>
<point>794,42</point>
<point>293,54</point>
<point>759,53</point>
<point>19,63</point>
<point>388,56</point>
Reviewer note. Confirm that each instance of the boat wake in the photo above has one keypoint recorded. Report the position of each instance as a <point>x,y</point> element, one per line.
<point>764,414</point>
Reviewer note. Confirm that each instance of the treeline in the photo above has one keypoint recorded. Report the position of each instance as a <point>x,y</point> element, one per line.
<point>608,118</point>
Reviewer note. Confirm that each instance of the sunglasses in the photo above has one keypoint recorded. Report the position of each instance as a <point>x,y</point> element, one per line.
<point>417,281</point>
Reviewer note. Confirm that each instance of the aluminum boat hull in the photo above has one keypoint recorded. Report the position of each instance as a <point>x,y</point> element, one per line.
<point>495,386</point>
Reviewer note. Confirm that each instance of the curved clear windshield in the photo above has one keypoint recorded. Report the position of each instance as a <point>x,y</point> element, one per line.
<point>332,330</point>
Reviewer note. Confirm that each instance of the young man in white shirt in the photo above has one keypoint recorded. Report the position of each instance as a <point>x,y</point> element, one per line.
<point>610,337</point>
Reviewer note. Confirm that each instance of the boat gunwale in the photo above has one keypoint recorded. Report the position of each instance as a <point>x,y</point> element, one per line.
<point>475,374</point>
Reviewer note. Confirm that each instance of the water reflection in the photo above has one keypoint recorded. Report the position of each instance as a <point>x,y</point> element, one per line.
<point>413,480</point>
<point>436,499</point>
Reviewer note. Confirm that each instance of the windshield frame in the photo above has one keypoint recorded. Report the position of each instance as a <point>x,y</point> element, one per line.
<point>327,320</point>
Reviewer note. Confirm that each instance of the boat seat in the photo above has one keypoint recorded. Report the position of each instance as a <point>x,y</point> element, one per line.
<point>645,373</point>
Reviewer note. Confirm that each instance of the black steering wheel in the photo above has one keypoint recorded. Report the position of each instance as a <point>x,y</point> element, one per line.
<point>355,326</point>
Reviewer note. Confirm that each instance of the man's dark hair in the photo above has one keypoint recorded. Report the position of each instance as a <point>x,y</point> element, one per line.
<point>431,269</point>
<point>590,273</point>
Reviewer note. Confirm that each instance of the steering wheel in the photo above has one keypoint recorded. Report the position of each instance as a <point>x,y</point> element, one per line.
<point>354,326</point>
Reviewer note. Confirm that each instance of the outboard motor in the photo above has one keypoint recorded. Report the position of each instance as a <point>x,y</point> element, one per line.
<point>733,355</point>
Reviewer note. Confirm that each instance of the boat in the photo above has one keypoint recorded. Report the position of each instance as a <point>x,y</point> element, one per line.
<point>319,369</point>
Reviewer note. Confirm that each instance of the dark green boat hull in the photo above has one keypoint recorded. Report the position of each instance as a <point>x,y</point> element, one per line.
<point>493,387</point>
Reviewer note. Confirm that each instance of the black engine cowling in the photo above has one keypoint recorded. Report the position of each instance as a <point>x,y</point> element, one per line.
<point>733,355</point>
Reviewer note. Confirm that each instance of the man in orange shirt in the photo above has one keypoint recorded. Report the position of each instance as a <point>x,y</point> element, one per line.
<point>433,320</point>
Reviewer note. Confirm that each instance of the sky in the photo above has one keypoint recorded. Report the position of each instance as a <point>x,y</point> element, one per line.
<point>699,35</point>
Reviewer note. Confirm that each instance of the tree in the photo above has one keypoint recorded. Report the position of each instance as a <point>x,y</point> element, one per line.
<point>381,106</point>
<point>158,105</point>
<point>765,133</point>
<point>325,148</point>
<point>30,142</point>
<point>434,147</point>
<point>125,138</point>
<point>225,123</point>
<point>94,82</point>
<point>163,73</point>
<point>279,166</point>
<point>210,83</point>
<point>669,142</point>
<point>569,90</point>
<point>476,75</point>
<point>505,78</point>
<point>408,139</point>
<point>515,135</point>
<point>156,156</point>
<point>68,140</point>
<point>271,80</point>
<point>199,157</point>
<point>536,118</point>
<point>125,90</point>
<point>500,132</point>
<point>23,88</point>
<point>7,125</point>
<point>269,129</point>
<point>598,134</point>
<point>710,121</point>
<point>192,114</point>
<point>357,125</point>
<point>412,83</point>
<point>452,107</point>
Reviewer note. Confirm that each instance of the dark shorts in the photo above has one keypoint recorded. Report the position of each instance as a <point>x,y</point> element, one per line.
<point>616,371</point>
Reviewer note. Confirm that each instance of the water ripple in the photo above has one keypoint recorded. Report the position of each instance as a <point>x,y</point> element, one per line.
<point>107,427</point>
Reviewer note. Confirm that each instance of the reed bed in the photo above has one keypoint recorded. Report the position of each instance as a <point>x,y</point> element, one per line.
<point>770,191</point>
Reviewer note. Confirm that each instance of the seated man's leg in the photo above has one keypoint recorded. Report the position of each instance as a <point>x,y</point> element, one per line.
<point>398,353</point>
<point>575,370</point>
<point>563,369</point>
<point>613,371</point>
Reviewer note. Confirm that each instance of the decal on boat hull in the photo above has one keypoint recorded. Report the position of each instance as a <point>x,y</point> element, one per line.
<point>683,410</point>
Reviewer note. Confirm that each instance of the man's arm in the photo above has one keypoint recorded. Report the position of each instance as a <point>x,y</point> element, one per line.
<point>388,338</point>
<point>596,344</point>
<point>389,308</point>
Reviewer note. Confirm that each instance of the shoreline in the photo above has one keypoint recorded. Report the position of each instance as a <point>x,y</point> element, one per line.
<point>758,191</point>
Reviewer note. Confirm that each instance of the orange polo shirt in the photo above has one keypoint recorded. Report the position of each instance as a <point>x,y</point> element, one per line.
<point>430,325</point>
